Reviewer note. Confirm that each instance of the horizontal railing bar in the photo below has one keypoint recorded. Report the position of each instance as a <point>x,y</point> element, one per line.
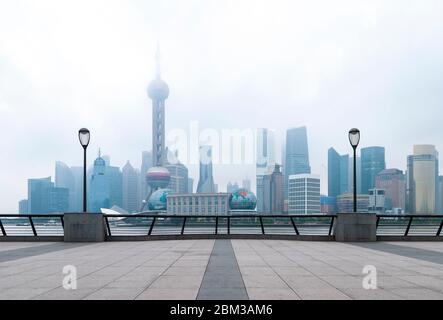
<point>31,215</point>
<point>214,216</point>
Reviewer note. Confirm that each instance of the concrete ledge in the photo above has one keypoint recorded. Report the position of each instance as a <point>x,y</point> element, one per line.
<point>32,239</point>
<point>355,227</point>
<point>84,227</point>
<point>410,238</point>
<point>221,236</point>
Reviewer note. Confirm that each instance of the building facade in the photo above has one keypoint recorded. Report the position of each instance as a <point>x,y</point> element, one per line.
<point>296,154</point>
<point>265,162</point>
<point>273,192</point>
<point>328,205</point>
<point>377,200</point>
<point>130,185</point>
<point>179,178</point>
<point>372,163</point>
<point>44,197</point>
<point>393,181</point>
<point>304,194</point>
<point>198,204</point>
<point>23,206</point>
<point>345,203</point>
<point>338,173</point>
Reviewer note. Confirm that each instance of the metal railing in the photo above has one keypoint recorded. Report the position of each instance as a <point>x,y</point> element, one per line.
<point>31,225</point>
<point>149,225</point>
<point>409,225</point>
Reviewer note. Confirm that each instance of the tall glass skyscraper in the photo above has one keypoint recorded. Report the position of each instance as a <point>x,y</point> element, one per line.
<point>297,154</point>
<point>205,181</point>
<point>338,173</point>
<point>44,197</point>
<point>372,163</point>
<point>130,185</point>
<point>265,162</point>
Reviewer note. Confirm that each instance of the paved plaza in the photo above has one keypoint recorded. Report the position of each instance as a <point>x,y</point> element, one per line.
<point>221,269</point>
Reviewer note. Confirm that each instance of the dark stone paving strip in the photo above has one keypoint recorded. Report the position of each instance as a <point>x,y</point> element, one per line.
<point>222,279</point>
<point>409,252</point>
<point>15,254</point>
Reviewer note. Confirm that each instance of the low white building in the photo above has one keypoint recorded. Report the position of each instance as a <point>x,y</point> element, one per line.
<point>198,203</point>
<point>377,199</point>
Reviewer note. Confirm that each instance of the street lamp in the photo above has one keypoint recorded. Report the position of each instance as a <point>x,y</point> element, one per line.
<point>84,137</point>
<point>354,139</point>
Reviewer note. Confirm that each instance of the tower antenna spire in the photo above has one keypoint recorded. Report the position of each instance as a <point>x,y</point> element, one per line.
<point>157,60</point>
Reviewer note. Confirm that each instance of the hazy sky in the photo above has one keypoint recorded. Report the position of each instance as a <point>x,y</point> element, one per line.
<point>327,65</point>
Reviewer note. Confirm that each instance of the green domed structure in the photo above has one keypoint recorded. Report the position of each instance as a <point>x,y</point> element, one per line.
<point>157,200</point>
<point>242,199</point>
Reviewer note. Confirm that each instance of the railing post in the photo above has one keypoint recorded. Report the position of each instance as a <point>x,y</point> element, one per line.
<point>63,222</point>
<point>107,226</point>
<point>183,226</point>
<point>330,227</point>
<point>216,225</point>
<point>152,226</point>
<point>440,228</point>
<point>2,228</point>
<point>229,225</point>
<point>378,222</point>
<point>262,227</point>
<point>32,226</point>
<point>295,227</point>
<point>409,226</point>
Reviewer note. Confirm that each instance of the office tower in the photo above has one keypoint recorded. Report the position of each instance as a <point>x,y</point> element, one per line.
<point>338,173</point>
<point>273,193</point>
<point>231,187</point>
<point>304,194</point>
<point>107,160</point>
<point>265,161</point>
<point>345,202</point>
<point>130,185</point>
<point>372,163</point>
<point>158,91</point>
<point>351,175</point>
<point>146,164</point>
<point>99,187</point>
<point>44,197</point>
<point>77,196</point>
<point>409,197</point>
<point>65,178</point>
<point>246,184</point>
<point>393,181</point>
<point>179,177</point>
<point>206,181</point>
<point>190,185</point>
<point>23,206</point>
<point>377,200</point>
<point>114,175</point>
<point>297,155</point>
<point>424,169</point>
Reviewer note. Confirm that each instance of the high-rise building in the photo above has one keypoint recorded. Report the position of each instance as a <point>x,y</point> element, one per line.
<point>410,194</point>
<point>304,194</point>
<point>179,177</point>
<point>377,200</point>
<point>206,180</point>
<point>372,163</point>
<point>44,197</point>
<point>130,185</point>
<point>231,187</point>
<point>273,192</point>
<point>72,179</point>
<point>114,175</point>
<point>23,206</point>
<point>265,161</point>
<point>424,179</point>
<point>351,175</point>
<point>297,154</point>
<point>146,164</point>
<point>99,187</point>
<point>440,195</point>
<point>328,205</point>
<point>338,173</point>
<point>394,183</point>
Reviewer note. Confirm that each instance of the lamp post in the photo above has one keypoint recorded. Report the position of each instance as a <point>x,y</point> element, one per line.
<point>354,139</point>
<point>84,137</point>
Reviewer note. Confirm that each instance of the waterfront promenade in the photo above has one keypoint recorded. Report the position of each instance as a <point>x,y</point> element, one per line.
<point>221,269</point>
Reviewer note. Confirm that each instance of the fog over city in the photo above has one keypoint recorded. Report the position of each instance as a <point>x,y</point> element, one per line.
<point>329,66</point>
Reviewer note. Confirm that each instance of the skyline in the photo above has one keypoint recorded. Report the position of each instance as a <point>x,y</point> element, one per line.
<point>49,89</point>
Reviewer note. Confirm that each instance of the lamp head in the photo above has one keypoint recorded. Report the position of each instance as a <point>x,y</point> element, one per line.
<point>354,137</point>
<point>84,136</point>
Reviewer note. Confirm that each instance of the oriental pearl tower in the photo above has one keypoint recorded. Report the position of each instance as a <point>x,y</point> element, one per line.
<point>158,176</point>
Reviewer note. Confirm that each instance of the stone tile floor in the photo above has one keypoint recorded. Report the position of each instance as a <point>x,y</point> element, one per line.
<point>188,269</point>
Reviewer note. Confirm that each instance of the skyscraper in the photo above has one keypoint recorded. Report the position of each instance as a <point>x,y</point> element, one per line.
<point>297,154</point>
<point>338,173</point>
<point>179,177</point>
<point>190,185</point>
<point>114,176</point>
<point>304,194</point>
<point>424,179</point>
<point>231,187</point>
<point>44,197</point>
<point>205,181</point>
<point>440,195</point>
<point>265,161</point>
<point>99,187</point>
<point>273,193</point>
<point>158,91</point>
<point>372,163</point>
<point>23,206</point>
<point>394,183</point>
<point>130,185</point>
